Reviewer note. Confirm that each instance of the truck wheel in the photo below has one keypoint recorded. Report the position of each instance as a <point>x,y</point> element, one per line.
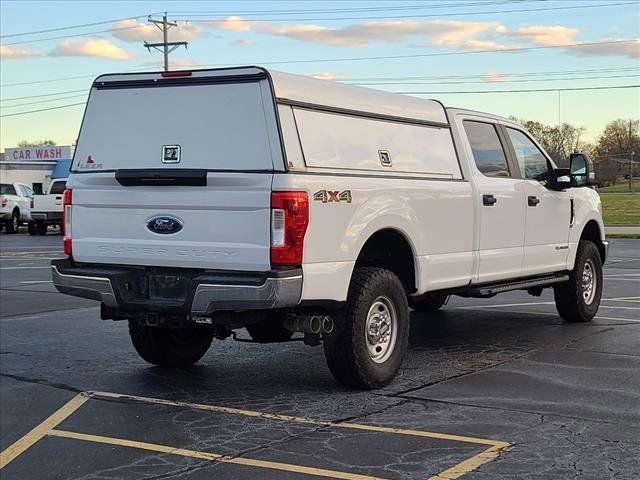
<point>32,227</point>
<point>169,347</point>
<point>42,228</point>
<point>269,330</point>
<point>578,299</point>
<point>432,304</point>
<point>14,224</point>
<point>371,334</point>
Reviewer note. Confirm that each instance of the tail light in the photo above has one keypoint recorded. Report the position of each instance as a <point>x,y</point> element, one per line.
<point>5,202</point>
<point>31,203</point>
<point>66,211</point>
<point>289,221</point>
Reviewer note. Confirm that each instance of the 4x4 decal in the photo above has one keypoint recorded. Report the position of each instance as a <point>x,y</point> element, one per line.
<point>328,196</point>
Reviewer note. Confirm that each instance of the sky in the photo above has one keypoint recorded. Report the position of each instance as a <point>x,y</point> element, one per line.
<point>465,53</point>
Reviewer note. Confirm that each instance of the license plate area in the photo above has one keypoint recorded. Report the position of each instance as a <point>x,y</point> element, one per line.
<point>168,288</point>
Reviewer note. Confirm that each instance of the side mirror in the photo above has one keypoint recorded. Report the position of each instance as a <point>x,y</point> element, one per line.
<point>561,179</point>
<point>581,170</point>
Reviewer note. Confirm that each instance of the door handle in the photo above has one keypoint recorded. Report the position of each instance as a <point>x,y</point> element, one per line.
<point>489,200</point>
<point>533,201</point>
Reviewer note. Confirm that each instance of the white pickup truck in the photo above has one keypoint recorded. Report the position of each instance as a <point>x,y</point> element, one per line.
<point>46,210</point>
<point>203,202</point>
<point>15,205</point>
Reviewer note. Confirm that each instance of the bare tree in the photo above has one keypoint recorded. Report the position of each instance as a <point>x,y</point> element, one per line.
<point>36,143</point>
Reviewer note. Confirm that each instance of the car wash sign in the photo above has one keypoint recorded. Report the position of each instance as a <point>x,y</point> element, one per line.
<point>37,154</point>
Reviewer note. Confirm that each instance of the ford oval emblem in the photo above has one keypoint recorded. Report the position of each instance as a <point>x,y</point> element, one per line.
<point>164,224</point>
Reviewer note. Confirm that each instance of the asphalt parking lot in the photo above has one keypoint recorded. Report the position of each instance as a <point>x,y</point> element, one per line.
<point>490,389</point>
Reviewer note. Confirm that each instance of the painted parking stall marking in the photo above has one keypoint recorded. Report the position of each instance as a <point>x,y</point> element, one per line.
<point>48,428</point>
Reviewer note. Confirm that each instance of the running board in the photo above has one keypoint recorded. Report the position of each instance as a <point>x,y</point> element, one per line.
<point>489,290</point>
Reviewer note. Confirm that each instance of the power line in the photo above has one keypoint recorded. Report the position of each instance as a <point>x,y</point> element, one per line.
<point>524,90</point>
<point>42,109</point>
<point>38,102</point>
<point>401,92</point>
<point>393,17</point>
<point>355,10</point>
<point>44,95</point>
<point>442,54</point>
<point>70,27</point>
<point>444,77</point>
<point>446,82</point>
<point>365,84</point>
<point>506,74</point>
<point>22,42</point>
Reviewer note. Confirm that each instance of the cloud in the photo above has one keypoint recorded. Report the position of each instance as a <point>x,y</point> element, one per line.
<point>90,47</point>
<point>485,45</point>
<point>545,35</point>
<point>630,49</point>
<point>322,75</point>
<point>470,36</point>
<point>494,77</point>
<point>439,32</point>
<point>233,24</point>
<point>134,31</point>
<point>17,53</point>
<point>241,43</point>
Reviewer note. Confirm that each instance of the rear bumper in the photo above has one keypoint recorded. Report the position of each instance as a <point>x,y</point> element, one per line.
<point>177,291</point>
<point>47,216</point>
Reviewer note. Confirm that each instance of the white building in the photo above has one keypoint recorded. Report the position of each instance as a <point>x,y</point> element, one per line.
<point>35,166</point>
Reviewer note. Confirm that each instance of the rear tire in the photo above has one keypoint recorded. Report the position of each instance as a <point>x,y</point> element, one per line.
<point>168,347</point>
<point>32,228</point>
<point>42,228</point>
<point>371,334</point>
<point>428,305</point>
<point>14,224</point>
<point>269,330</point>
<point>578,299</point>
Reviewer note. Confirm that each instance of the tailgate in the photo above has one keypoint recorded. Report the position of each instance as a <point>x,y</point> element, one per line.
<point>176,172</point>
<point>47,203</point>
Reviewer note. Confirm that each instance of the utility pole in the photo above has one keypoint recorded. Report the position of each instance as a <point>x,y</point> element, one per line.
<point>631,170</point>
<point>167,46</point>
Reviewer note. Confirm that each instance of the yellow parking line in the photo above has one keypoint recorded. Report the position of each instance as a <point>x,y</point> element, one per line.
<point>287,467</point>
<point>19,447</point>
<point>47,428</point>
<point>287,418</point>
<point>470,464</point>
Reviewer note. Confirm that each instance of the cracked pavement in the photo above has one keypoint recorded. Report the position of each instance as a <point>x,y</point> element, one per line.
<point>566,397</point>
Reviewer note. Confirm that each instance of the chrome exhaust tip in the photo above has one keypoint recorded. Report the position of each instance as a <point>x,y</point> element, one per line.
<point>327,325</point>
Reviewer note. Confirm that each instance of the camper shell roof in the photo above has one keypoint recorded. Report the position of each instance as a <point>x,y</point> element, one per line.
<point>295,89</point>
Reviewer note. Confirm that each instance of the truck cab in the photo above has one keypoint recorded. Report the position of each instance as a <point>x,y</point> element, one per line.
<point>203,202</point>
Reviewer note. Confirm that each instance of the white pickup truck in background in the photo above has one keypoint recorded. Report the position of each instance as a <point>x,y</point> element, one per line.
<point>15,205</point>
<point>204,202</point>
<point>46,210</point>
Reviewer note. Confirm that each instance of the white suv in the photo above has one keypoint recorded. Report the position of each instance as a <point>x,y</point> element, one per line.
<point>203,202</point>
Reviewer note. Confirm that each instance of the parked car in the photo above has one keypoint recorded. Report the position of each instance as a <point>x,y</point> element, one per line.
<point>15,200</point>
<point>46,210</point>
<point>281,203</point>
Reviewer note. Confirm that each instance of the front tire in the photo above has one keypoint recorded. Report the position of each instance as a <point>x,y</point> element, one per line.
<point>175,348</point>
<point>578,299</point>
<point>371,335</point>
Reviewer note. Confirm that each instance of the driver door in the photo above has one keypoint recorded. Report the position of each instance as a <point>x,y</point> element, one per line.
<point>548,212</point>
